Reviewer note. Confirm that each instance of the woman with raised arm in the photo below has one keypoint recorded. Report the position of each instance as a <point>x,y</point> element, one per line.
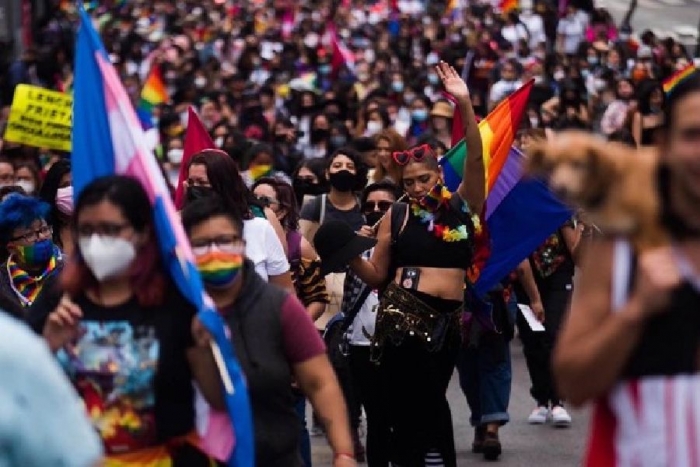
<point>423,252</point>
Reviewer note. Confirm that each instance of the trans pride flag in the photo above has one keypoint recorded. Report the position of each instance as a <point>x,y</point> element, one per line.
<point>520,212</point>
<point>108,139</point>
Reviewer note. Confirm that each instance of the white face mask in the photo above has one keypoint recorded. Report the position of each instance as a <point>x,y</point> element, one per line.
<point>373,127</point>
<point>175,155</point>
<point>219,142</point>
<point>106,256</point>
<point>26,185</point>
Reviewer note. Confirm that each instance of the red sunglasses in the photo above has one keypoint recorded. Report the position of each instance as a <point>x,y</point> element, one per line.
<point>417,154</point>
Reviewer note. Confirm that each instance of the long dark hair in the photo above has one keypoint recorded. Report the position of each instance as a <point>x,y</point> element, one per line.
<point>148,281</point>
<point>676,224</point>
<point>49,188</point>
<point>286,198</point>
<point>225,179</point>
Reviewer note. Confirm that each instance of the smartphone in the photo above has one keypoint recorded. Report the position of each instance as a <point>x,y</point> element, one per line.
<point>409,278</point>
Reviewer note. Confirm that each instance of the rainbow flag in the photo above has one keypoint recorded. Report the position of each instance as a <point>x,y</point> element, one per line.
<point>497,134</point>
<point>154,91</point>
<point>520,212</point>
<point>675,79</point>
<point>259,171</point>
<point>108,139</point>
<point>508,5</point>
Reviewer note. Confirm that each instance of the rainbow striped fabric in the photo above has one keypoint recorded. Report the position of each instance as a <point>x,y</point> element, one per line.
<point>520,213</point>
<point>108,139</point>
<point>508,5</point>
<point>154,91</point>
<point>675,79</point>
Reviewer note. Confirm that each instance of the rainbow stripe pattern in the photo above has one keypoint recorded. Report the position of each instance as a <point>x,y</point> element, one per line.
<point>678,77</point>
<point>507,6</point>
<point>520,213</point>
<point>154,91</point>
<point>259,171</point>
<point>108,139</point>
<point>27,285</point>
<point>219,268</point>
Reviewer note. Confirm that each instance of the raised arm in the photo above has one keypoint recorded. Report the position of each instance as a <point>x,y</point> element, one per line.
<point>473,186</point>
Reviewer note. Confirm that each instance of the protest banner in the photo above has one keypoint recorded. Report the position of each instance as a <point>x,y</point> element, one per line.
<point>40,117</point>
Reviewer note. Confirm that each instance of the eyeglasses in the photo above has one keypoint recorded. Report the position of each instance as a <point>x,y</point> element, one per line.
<point>225,243</point>
<point>106,229</point>
<point>267,200</point>
<point>417,154</point>
<point>370,206</point>
<point>43,232</point>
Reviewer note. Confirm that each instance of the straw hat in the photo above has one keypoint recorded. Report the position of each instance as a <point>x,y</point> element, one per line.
<point>442,109</point>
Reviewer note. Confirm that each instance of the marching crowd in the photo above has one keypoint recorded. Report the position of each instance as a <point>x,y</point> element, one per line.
<point>325,235</point>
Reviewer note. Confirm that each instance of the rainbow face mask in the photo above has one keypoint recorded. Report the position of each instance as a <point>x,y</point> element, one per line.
<point>36,254</point>
<point>219,269</point>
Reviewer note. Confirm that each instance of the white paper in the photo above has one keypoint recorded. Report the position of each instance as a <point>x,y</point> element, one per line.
<point>529,316</point>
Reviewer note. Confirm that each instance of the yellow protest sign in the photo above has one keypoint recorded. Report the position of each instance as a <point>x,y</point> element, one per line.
<point>39,117</point>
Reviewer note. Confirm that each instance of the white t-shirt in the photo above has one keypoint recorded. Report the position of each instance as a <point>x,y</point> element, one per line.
<point>535,26</point>
<point>263,248</point>
<point>364,321</point>
<point>572,29</point>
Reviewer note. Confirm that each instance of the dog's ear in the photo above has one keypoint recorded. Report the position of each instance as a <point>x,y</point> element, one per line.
<point>537,162</point>
<point>601,169</point>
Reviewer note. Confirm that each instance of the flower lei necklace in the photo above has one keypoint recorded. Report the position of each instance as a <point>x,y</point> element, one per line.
<point>425,210</point>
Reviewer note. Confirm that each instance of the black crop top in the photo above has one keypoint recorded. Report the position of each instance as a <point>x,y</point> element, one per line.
<point>416,246</point>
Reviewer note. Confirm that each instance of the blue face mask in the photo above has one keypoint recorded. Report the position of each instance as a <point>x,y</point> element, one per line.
<point>324,69</point>
<point>419,115</point>
<point>433,79</point>
<point>397,86</point>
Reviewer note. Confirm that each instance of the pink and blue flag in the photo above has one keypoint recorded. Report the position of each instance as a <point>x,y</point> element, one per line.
<point>108,139</point>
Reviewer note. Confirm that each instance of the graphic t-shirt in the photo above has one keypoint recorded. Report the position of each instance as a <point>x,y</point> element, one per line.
<point>130,368</point>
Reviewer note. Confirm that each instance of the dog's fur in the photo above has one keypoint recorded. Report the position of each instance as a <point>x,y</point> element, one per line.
<point>614,184</point>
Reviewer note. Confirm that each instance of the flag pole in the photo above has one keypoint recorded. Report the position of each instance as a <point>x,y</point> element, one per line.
<point>223,372</point>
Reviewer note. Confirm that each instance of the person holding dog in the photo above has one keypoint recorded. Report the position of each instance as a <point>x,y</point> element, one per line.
<point>420,261</point>
<point>632,339</point>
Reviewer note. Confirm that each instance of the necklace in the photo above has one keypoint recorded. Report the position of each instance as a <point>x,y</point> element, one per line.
<point>425,209</point>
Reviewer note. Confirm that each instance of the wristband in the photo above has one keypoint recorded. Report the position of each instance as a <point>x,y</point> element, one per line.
<point>343,455</point>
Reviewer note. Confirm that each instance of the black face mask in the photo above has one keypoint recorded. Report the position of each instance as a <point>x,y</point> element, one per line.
<point>374,217</point>
<point>343,180</point>
<point>304,187</point>
<point>194,193</point>
<point>319,135</point>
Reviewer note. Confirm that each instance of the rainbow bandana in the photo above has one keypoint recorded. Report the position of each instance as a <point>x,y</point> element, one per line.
<point>26,286</point>
<point>219,268</point>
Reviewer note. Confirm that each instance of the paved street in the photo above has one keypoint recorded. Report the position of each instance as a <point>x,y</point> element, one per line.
<point>523,445</point>
<point>679,18</point>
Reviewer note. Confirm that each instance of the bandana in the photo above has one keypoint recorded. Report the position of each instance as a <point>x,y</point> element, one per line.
<point>26,286</point>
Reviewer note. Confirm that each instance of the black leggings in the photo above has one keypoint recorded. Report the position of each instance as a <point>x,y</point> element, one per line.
<point>414,384</point>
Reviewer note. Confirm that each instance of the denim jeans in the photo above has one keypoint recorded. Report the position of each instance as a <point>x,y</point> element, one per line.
<point>485,372</point>
<point>305,440</point>
<point>485,378</point>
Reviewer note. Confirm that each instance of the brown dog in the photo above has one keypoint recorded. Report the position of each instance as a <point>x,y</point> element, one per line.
<point>613,183</point>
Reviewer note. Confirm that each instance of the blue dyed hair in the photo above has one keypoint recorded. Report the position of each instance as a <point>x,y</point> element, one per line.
<point>18,210</point>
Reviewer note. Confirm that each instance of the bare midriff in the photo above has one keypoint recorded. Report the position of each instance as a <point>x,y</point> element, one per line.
<point>445,283</point>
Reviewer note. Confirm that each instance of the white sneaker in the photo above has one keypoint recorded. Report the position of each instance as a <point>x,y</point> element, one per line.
<point>538,416</point>
<point>560,417</point>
